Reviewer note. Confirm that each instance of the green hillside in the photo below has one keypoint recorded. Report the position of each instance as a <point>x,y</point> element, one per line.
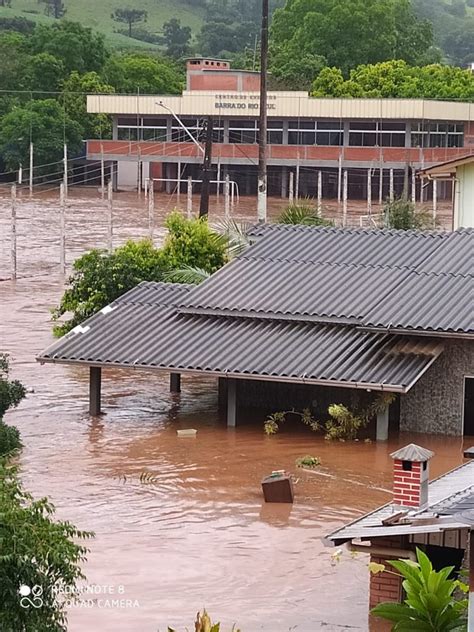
<point>97,15</point>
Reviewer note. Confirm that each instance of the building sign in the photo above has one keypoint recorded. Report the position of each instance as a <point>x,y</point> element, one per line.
<point>242,102</point>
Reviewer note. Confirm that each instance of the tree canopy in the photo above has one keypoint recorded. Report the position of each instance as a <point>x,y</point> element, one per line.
<point>348,33</point>
<point>132,72</point>
<point>397,79</point>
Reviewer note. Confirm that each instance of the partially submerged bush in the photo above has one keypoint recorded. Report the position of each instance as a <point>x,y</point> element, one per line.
<point>303,213</point>
<point>9,439</point>
<point>308,461</point>
<point>403,215</point>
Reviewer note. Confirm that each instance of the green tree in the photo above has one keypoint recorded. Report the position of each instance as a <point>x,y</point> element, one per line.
<point>397,79</point>
<point>45,73</point>
<point>15,59</point>
<point>79,48</point>
<point>430,604</point>
<point>54,8</point>
<point>295,73</point>
<point>350,32</point>
<point>176,38</point>
<point>48,126</point>
<point>39,552</point>
<point>11,391</point>
<point>75,90</point>
<point>129,17</point>
<point>132,72</point>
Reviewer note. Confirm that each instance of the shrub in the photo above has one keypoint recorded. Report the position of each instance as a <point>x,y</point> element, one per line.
<point>99,278</point>
<point>203,623</point>
<point>429,604</point>
<point>302,213</point>
<point>37,554</point>
<point>9,440</point>
<point>308,461</point>
<point>11,391</point>
<point>403,215</point>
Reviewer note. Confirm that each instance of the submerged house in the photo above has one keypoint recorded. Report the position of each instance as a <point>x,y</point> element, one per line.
<point>308,316</point>
<point>436,516</point>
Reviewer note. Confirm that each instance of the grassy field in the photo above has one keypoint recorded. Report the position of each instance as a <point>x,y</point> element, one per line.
<point>97,15</point>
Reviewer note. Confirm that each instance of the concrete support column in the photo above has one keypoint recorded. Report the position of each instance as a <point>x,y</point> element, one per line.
<point>169,125</point>
<point>382,425</point>
<point>221,392</point>
<point>95,379</point>
<point>285,133</point>
<point>175,382</point>
<point>115,128</point>
<point>231,403</point>
<point>408,134</point>
<point>226,130</point>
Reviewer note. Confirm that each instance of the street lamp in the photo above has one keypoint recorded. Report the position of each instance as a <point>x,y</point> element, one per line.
<point>181,124</point>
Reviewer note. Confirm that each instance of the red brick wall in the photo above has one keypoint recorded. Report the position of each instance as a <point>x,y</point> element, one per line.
<point>213,81</point>
<point>406,484</point>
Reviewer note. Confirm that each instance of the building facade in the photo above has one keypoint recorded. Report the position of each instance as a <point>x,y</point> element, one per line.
<point>374,144</point>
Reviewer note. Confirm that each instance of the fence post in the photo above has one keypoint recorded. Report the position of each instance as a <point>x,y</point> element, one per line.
<point>110,226</point>
<point>62,230</point>
<point>65,172</point>
<point>20,174</point>
<point>13,231</point>
<point>391,192</point>
<point>102,172</point>
<point>31,170</point>
<point>339,178</point>
<point>369,191</point>
<point>413,185</point>
<point>190,197</point>
<point>297,183</point>
<point>435,200</point>
<point>227,196</point>
<point>320,191</point>
<point>290,188</point>
<point>151,208</point>
<point>381,186</point>
<point>344,198</point>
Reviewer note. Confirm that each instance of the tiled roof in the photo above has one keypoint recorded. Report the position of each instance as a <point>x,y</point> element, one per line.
<point>412,452</point>
<point>145,329</point>
<point>397,280</point>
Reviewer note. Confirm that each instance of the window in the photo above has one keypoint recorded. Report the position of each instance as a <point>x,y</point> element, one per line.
<point>376,134</point>
<point>275,132</point>
<point>243,131</point>
<point>437,135</point>
<point>315,133</point>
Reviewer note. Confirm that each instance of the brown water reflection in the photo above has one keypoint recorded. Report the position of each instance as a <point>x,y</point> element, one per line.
<point>199,534</point>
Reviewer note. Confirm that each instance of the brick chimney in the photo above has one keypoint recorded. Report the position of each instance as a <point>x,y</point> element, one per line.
<point>410,476</point>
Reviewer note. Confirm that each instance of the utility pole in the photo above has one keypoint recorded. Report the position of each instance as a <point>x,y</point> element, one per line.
<point>206,170</point>
<point>262,138</point>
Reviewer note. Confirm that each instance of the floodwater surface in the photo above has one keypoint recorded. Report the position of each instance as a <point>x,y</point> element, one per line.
<point>180,523</point>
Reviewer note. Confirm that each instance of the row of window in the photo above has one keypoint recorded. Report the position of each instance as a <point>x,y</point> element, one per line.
<point>303,132</point>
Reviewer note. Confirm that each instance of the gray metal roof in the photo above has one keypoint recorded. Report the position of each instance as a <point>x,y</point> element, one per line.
<point>443,492</point>
<point>412,452</point>
<point>403,280</point>
<point>145,329</point>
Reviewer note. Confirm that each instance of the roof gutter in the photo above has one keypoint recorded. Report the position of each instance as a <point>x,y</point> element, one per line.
<point>382,551</point>
<point>393,388</point>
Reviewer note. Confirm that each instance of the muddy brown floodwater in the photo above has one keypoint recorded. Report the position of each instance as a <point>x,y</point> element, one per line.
<point>197,532</point>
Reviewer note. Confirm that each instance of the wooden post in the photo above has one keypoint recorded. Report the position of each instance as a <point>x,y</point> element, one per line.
<point>290,188</point>
<point>175,382</point>
<point>95,380</point>
<point>139,173</point>
<point>110,225</point>
<point>190,197</point>
<point>227,196</point>
<point>20,174</point>
<point>320,191</point>
<point>102,172</point>
<point>435,200</point>
<point>31,171</point>
<point>206,170</point>
<point>391,191</point>
<point>231,403</point>
<point>262,124</point>
<point>369,191</point>
<point>381,186</point>
<point>151,209</point>
<point>413,185</point>
<point>339,179</point>
<point>62,230</point>
<point>344,198</point>
<point>65,172</point>
<point>297,182</point>
<point>13,232</point>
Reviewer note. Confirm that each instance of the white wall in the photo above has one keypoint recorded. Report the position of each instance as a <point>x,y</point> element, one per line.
<point>128,174</point>
<point>464,199</point>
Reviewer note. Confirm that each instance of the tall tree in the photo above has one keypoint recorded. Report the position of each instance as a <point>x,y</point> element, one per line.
<point>134,72</point>
<point>75,91</point>
<point>48,126</point>
<point>349,32</point>
<point>176,38</point>
<point>130,17</point>
<point>55,8</point>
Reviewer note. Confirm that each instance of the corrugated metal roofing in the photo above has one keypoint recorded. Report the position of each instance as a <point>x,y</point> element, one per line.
<point>442,490</point>
<point>412,452</point>
<point>138,330</point>
<point>372,278</point>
